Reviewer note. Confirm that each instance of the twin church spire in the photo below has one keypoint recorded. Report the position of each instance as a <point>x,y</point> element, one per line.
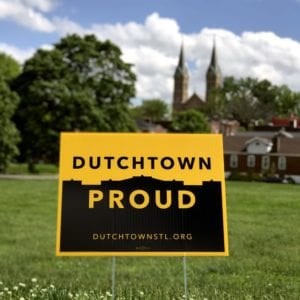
<point>181,100</point>
<point>213,74</point>
<point>181,82</point>
<point>181,68</point>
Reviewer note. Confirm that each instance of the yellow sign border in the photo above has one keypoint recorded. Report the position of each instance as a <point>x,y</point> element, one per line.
<point>142,253</point>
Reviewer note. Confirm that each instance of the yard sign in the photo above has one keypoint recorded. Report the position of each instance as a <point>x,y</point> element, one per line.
<point>141,194</point>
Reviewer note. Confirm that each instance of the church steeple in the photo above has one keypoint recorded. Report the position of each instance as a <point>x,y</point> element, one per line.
<point>181,68</point>
<point>213,74</point>
<point>181,80</point>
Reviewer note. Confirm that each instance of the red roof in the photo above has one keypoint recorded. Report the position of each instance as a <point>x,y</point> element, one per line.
<point>285,122</point>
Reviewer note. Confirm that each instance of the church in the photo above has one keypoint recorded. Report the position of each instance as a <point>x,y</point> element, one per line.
<point>181,99</point>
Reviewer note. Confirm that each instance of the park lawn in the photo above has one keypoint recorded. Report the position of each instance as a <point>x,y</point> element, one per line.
<point>41,168</point>
<point>264,244</point>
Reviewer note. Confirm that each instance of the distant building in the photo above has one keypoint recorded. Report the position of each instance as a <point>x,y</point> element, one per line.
<point>181,99</point>
<point>264,152</point>
<point>292,122</point>
<point>226,127</point>
<point>150,127</point>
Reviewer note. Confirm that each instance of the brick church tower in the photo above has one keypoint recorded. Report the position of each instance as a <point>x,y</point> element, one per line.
<point>181,82</point>
<point>213,75</point>
<point>181,99</point>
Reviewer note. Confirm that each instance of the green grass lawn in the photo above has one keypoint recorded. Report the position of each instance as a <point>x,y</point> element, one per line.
<point>22,168</point>
<point>264,244</point>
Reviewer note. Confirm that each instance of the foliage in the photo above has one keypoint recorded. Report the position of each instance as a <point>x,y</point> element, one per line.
<point>241,103</point>
<point>191,121</point>
<point>82,84</point>
<point>153,110</point>
<point>262,222</point>
<point>215,106</point>
<point>241,176</point>
<point>9,68</point>
<point>9,136</point>
<point>249,99</point>
<point>287,102</point>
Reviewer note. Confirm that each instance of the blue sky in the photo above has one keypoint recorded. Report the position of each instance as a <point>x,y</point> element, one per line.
<point>257,38</point>
<point>280,16</point>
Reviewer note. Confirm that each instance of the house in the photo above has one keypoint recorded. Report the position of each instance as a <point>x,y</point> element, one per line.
<point>292,122</point>
<point>258,145</point>
<point>266,153</point>
<point>148,126</point>
<point>226,127</point>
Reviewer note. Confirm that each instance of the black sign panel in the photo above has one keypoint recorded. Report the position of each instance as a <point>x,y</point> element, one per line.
<point>151,228</point>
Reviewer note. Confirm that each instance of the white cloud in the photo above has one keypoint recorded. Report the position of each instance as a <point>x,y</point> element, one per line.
<point>28,13</point>
<point>43,5</point>
<point>65,26</point>
<point>264,55</point>
<point>19,54</point>
<point>153,48</point>
<point>161,34</point>
<point>154,71</point>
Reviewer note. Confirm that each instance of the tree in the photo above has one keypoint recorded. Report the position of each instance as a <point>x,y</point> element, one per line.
<point>266,94</point>
<point>82,84</point>
<point>153,110</point>
<point>277,100</point>
<point>9,68</point>
<point>191,121</point>
<point>9,136</point>
<point>239,100</point>
<point>287,102</point>
<point>249,99</point>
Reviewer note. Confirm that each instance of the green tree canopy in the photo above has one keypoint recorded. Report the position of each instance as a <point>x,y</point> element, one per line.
<point>9,68</point>
<point>9,135</point>
<point>82,84</point>
<point>153,110</point>
<point>249,99</point>
<point>190,121</point>
<point>287,101</point>
<point>241,103</point>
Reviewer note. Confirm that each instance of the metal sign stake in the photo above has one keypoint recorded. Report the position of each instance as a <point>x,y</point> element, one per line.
<point>113,277</point>
<point>185,278</point>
